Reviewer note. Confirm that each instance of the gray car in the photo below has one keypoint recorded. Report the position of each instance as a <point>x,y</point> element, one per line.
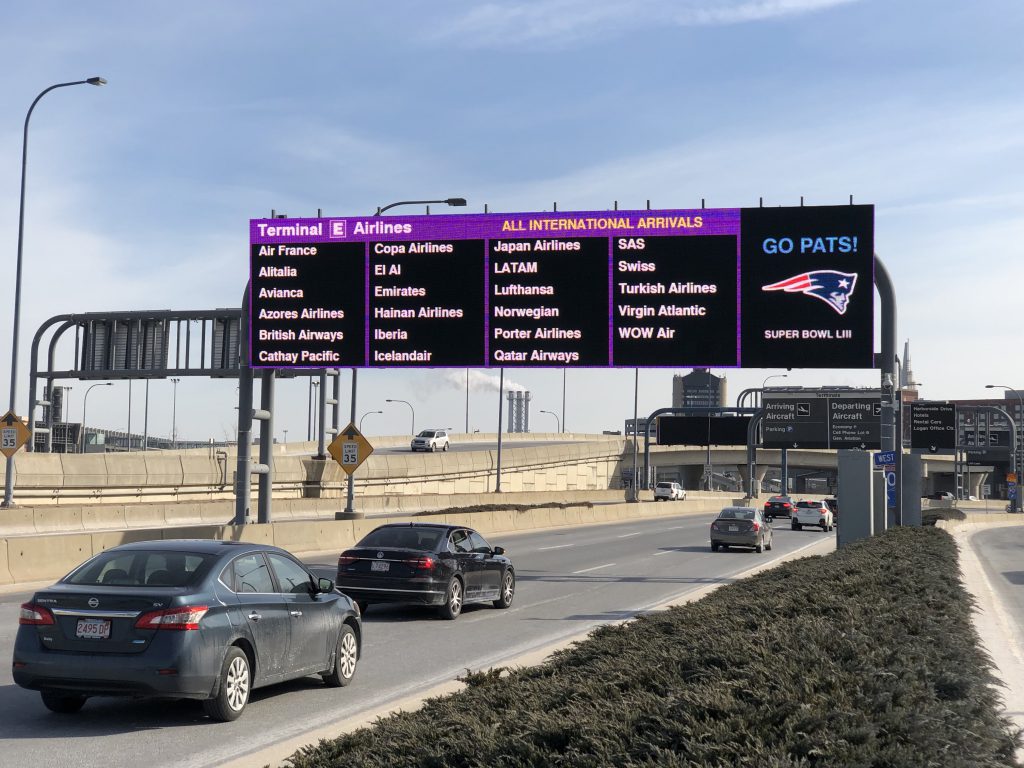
<point>741,527</point>
<point>194,619</point>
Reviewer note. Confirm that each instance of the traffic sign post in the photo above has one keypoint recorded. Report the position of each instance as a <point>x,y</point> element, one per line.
<point>350,449</point>
<point>886,462</point>
<point>13,434</point>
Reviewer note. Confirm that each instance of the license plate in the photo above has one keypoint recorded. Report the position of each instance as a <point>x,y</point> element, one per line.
<point>380,565</point>
<point>733,528</point>
<point>93,629</point>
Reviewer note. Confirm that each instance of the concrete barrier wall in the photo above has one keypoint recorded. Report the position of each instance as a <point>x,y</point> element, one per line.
<point>202,475</point>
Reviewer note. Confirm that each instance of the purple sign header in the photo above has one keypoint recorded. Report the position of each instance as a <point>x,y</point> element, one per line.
<point>718,221</point>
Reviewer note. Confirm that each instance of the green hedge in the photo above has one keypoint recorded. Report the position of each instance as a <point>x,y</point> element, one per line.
<point>866,657</point>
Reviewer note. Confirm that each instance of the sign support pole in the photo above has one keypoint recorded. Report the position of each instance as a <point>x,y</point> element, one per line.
<point>891,441</point>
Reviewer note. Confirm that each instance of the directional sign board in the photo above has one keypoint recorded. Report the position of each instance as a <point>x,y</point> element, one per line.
<point>350,448</point>
<point>822,420</point>
<point>765,287</point>
<point>13,434</point>
<point>932,427</point>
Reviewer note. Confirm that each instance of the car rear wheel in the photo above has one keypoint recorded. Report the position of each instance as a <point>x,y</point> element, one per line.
<point>345,657</point>
<point>64,703</point>
<point>452,600</point>
<point>759,547</point>
<point>233,691</point>
<point>796,526</point>
<point>508,590</point>
<point>714,546</point>
<point>770,543</point>
<point>825,528</point>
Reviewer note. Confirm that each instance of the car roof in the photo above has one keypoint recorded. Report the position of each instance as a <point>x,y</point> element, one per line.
<point>439,526</point>
<point>738,509</point>
<point>199,546</point>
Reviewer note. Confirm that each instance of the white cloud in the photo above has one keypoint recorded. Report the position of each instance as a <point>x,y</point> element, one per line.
<point>561,22</point>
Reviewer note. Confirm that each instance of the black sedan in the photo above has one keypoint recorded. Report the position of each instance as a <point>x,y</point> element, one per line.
<point>207,620</point>
<point>444,565</point>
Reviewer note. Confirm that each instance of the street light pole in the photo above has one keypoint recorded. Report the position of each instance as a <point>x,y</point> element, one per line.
<point>411,409</point>
<point>769,378</point>
<point>1018,460</point>
<point>174,415</point>
<point>9,481</point>
<point>364,416</point>
<point>85,402</point>
<point>558,422</point>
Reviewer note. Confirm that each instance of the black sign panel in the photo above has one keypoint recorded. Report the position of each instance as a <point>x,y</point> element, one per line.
<point>822,422</point>
<point>418,315</point>
<point>808,287</point>
<point>306,310</point>
<point>675,297</point>
<point>703,430</point>
<point>548,302</point>
<point>932,427</point>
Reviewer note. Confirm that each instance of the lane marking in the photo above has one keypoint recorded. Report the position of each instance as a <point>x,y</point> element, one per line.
<point>558,546</point>
<point>595,568</point>
<point>627,535</point>
<point>666,552</point>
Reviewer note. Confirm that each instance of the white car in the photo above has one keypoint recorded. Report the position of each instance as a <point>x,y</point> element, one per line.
<point>431,440</point>
<point>666,491</point>
<point>816,513</point>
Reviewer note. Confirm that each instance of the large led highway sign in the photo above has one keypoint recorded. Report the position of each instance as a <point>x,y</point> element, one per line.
<point>723,288</point>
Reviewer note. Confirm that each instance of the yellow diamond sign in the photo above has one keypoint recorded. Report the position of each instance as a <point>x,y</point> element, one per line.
<point>13,434</point>
<point>350,448</point>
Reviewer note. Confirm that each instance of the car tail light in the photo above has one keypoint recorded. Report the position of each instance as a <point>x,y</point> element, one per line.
<point>182,617</point>
<point>422,563</point>
<point>757,526</point>
<point>786,504</point>
<point>33,614</point>
<point>714,526</point>
<point>346,558</point>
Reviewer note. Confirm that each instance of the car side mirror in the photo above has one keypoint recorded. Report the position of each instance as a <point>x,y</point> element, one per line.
<point>325,585</point>
<point>498,550</point>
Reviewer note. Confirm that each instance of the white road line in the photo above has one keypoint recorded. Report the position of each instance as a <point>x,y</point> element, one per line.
<point>673,528</point>
<point>627,535</point>
<point>595,568</point>
<point>666,552</point>
<point>558,546</point>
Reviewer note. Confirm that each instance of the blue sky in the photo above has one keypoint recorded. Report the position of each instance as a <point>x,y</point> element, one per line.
<point>139,193</point>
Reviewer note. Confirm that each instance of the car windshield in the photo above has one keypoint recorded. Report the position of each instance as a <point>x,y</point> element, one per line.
<point>426,433</point>
<point>808,504</point>
<point>664,485</point>
<point>403,537</point>
<point>142,568</point>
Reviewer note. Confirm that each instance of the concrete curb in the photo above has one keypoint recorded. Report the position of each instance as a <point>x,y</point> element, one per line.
<point>1000,634</point>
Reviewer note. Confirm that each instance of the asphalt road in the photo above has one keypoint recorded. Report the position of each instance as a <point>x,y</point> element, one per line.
<point>1001,553</point>
<point>569,580</point>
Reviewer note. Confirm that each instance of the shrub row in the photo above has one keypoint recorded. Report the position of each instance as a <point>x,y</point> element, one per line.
<point>866,657</point>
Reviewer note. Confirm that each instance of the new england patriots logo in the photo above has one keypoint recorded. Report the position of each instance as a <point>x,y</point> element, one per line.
<point>834,288</point>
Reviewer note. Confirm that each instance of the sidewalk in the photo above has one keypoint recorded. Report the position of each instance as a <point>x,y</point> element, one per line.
<point>1000,632</point>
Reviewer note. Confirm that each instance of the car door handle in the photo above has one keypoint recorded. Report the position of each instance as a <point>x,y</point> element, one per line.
<point>255,616</point>
<point>295,613</point>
